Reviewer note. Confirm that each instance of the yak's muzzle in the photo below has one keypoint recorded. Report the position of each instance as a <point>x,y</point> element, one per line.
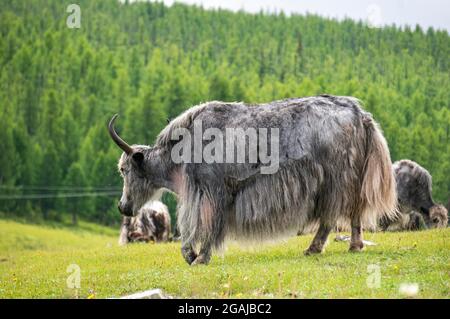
<point>125,209</point>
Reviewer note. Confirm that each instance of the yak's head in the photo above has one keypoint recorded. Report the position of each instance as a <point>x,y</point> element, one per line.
<point>138,168</point>
<point>438,217</point>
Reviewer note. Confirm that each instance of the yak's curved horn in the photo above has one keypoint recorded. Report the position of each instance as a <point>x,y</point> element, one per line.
<point>116,138</point>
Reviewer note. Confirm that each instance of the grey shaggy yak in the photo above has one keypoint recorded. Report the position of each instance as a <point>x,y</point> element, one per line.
<point>416,206</point>
<point>334,164</point>
<point>152,223</point>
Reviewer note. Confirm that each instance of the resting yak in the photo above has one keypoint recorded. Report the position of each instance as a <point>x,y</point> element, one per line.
<point>333,164</point>
<point>416,206</point>
<point>152,223</point>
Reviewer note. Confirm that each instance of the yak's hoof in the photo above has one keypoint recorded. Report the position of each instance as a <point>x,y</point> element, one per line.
<point>356,247</point>
<point>312,251</point>
<point>200,260</point>
<point>190,257</point>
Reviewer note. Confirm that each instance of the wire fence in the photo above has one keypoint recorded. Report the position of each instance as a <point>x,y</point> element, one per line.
<point>57,188</point>
<point>42,192</point>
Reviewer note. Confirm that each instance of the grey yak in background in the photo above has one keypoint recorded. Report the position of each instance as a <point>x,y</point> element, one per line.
<point>417,209</point>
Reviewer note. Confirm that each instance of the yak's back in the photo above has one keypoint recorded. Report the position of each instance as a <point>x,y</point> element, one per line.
<point>323,115</point>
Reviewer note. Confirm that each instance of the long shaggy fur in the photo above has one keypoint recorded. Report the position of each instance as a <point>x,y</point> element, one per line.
<point>412,221</point>
<point>378,188</point>
<point>334,164</point>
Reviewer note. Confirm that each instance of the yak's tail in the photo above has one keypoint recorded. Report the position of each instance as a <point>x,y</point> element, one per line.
<point>378,191</point>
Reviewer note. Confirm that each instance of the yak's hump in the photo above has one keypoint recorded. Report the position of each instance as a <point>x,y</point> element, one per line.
<point>185,120</point>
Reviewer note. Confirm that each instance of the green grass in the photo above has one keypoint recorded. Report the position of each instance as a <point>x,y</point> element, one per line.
<point>34,260</point>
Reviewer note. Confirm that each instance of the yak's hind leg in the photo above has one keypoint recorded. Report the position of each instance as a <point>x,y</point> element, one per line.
<point>356,241</point>
<point>319,240</point>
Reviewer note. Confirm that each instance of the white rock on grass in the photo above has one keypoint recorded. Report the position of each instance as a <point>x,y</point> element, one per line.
<point>347,238</point>
<point>147,294</point>
<point>409,290</point>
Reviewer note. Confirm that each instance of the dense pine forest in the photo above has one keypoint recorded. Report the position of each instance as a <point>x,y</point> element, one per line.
<point>59,86</point>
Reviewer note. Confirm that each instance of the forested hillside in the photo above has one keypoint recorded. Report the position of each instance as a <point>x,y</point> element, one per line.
<point>60,86</point>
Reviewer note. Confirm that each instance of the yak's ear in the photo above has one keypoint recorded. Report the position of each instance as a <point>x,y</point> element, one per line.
<point>138,158</point>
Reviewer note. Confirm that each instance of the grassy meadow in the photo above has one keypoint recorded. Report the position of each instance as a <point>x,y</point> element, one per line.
<point>34,261</point>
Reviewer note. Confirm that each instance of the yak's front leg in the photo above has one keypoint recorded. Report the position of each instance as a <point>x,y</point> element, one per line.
<point>188,252</point>
<point>212,227</point>
<point>123,237</point>
<point>319,240</point>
